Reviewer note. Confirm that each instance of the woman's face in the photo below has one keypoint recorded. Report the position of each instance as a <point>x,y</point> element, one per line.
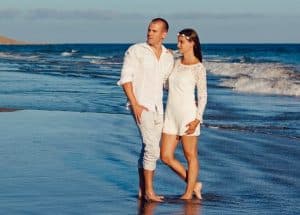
<point>184,45</point>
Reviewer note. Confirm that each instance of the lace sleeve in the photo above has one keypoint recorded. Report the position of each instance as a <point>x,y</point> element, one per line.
<point>201,92</point>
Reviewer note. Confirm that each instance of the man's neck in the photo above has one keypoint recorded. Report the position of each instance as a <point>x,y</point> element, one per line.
<point>156,46</point>
<point>157,49</point>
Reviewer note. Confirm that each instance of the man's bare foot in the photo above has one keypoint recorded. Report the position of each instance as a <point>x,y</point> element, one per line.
<point>151,197</point>
<point>197,190</point>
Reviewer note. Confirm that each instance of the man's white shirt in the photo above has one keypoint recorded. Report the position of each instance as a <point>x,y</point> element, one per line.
<point>147,74</point>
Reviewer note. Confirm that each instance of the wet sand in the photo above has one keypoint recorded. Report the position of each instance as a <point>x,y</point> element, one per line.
<point>56,162</point>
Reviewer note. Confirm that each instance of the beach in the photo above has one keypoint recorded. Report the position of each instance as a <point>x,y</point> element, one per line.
<point>68,144</point>
<point>8,41</point>
<point>74,163</point>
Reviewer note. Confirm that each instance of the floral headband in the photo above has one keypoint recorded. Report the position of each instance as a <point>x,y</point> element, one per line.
<point>183,35</point>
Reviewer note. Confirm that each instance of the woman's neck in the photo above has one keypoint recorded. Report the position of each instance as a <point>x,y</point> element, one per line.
<point>189,58</point>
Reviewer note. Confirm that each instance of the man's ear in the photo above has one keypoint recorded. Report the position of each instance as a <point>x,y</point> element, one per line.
<point>164,35</point>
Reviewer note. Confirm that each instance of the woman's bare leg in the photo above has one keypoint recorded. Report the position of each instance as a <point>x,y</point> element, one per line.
<point>189,144</point>
<point>167,151</point>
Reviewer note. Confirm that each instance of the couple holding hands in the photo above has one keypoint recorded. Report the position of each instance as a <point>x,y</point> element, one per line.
<point>147,68</point>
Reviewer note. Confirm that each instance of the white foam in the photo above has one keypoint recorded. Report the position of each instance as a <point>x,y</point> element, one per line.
<point>266,78</point>
<point>95,62</point>
<point>93,57</point>
<point>104,62</point>
<point>66,54</point>
<point>6,55</point>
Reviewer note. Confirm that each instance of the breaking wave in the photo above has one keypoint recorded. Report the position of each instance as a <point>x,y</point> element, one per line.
<point>69,53</point>
<point>10,56</point>
<point>264,78</point>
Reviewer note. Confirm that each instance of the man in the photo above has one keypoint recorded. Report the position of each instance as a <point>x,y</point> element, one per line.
<point>146,67</point>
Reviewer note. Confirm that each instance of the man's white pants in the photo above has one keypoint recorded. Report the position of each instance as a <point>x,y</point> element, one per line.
<point>150,126</point>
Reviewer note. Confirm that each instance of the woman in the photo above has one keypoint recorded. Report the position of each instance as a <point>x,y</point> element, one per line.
<point>183,116</point>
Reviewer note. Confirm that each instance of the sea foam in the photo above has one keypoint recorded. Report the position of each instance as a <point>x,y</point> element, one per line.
<point>264,78</point>
<point>10,56</point>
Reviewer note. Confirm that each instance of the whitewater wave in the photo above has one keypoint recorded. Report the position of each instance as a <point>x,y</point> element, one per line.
<point>237,59</point>
<point>96,62</point>
<point>264,78</point>
<point>69,53</point>
<point>11,56</point>
<point>66,54</point>
<point>267,129</point>
<point>106,61</point>
<point>101,60</point>
<point>93,57</point>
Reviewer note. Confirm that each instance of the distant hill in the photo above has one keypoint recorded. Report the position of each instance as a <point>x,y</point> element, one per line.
<point>9,41</point>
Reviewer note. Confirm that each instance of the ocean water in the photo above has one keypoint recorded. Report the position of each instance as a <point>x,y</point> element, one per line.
<point>249,148</point>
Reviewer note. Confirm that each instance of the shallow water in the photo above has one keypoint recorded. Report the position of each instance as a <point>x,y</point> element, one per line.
<point>73,149</point>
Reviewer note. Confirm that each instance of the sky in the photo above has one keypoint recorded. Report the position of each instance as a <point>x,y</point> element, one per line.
<point>126,21</point>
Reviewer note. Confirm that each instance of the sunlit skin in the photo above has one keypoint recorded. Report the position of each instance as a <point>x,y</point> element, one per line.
<point>189,143</point>
<point>186,49</point>
<point>155,36</point>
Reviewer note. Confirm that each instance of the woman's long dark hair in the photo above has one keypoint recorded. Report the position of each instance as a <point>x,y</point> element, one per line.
<point>193,36</point>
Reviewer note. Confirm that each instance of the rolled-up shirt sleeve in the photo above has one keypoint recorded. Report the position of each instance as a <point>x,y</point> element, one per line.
<point>129,67</point>
<point>201,93</point>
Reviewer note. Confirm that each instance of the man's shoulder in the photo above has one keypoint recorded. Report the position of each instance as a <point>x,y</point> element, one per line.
<point>168,52</point>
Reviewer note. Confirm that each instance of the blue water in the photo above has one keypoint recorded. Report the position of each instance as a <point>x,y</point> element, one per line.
<point>251,135</point>
<point>83,78</point>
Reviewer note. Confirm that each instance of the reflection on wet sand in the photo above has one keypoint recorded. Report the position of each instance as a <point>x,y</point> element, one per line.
<point>192,207</point>
<point>146,208</point>
<point>188,207</point>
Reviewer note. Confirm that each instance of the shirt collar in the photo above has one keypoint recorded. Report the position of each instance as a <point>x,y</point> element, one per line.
<point>164,49</point>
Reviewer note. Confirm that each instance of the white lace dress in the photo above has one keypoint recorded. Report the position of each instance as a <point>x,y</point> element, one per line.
<point>182,107</point>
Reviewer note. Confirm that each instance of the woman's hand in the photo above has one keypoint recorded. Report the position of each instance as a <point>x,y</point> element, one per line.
<point>137,111</point>
<point>192,126</point>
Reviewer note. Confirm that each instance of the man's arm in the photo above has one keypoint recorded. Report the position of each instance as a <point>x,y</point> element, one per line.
<point>135,106</point>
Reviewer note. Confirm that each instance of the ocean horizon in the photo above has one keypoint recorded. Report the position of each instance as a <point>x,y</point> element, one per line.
<point>72,146</point>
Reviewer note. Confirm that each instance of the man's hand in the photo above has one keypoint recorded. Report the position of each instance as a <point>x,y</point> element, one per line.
<point>137,111</point>
<point>136,108</point>
<point>192,126</point>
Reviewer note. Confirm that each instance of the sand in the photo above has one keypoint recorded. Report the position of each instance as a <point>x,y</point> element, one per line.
<point>8,41</point>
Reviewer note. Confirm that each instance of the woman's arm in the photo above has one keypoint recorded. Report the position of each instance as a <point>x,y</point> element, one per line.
<point>201,93</point>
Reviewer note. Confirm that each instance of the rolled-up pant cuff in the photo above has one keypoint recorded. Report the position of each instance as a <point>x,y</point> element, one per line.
<point>150,129</point>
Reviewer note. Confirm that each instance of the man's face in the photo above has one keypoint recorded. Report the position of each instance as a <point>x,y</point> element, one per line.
<point>156,33</point>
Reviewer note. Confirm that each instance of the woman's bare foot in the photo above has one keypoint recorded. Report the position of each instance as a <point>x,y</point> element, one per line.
<point>186,196</point>
<point>197,190</point>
